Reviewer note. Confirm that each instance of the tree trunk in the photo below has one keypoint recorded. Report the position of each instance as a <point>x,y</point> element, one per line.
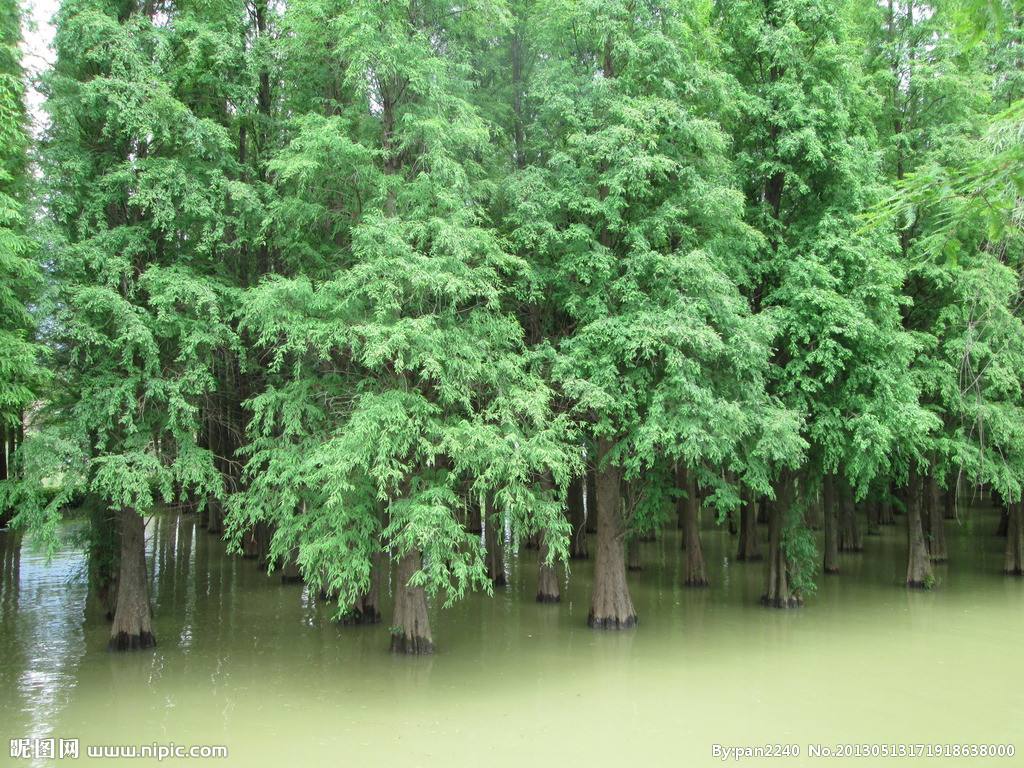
<point>493,541</point>
<point>473,522</point>
<point>949,499</point>
<point>749,548</point>
<point>919,566</point>
<point>1014,563</point>
<point>885,511</point>
<point>250,544</point>
<point>547,575</point>
<point>133,621</point>
<point>1004,521</point>
<point>849,534</point>
<point>591,491</point>
<point>696,572</point>
<point>610,606</point>
<point>934,515</point>
<point>366,610</point>
<point>831,547</point>
<point>290,572</point>
<point>777,590</point>
<point>578,519</point>
<point>410,627</point>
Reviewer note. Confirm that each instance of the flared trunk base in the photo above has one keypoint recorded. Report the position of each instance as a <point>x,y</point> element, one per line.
<point>781,602</point>
<point>411,645</point>
<point>610,622</point>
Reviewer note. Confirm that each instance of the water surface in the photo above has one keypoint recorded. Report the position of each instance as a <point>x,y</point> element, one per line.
<point>258,666</point>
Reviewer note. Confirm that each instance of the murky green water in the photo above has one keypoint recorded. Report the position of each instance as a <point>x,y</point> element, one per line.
<point>247,662</point>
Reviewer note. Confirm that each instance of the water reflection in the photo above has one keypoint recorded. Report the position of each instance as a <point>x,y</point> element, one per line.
<point>258,665</point>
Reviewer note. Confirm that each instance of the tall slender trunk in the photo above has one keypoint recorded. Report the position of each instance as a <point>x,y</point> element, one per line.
<point>591,500</point>
<point>849,533</point>
<point>778,593</point>
<point>696,572</point>
<point>410,626</point>
<point>133,621</point>
<point>935,520</point>
<point>610,606</point>
<point>885,510</point>
<point>474,523</point>
<point>831,547</point>
<point>919,565</point>
<point>749,547</point>
<point>949,498</point>
<point>1013,565</point>
<point>493,541</point>
<point>547,575</point>
<point>578,520</point>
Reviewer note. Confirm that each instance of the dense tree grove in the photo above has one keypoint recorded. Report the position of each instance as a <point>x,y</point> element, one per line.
<point>384,291</point>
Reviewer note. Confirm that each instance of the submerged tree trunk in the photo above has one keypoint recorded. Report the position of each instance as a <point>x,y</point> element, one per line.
<point>1004,521</point>
<point>591,491</point>
<point>492,542</point>
<point>633,560</point>
<point>611,606</point>
<point>410,627</point>
<point>133,621</point>
<point>578,521</point>
<point>935,520</point>
<point>949,498</point>
<point>777,589</point>
<point>885,511</point>
<point>547,575</point>
<point>290,572</point>
<point>919,565</point>
<point>849,533</point>
<point>696,574</point>
<point>1014,562</point>
<point>828,490</point>
<point>366,610</point>
<point>749,547</point>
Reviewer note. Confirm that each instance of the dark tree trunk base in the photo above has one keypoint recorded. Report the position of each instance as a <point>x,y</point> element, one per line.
<point>359,618</point>
<point>918,585</point>
<point>831,570</point>
<point>595,622</point>
<point>781,602</point>
<point>699,582</point>
<point>122,641</point>
<point>1014,572</point>
<point>411,646</point>
<point>544,598</point>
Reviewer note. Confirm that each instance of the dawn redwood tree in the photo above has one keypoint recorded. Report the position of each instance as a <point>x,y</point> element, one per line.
<point>400,389</point>
<point>21,371</point>
<point>809,156</point>
<point>135,180</point>
<point>625,208</point>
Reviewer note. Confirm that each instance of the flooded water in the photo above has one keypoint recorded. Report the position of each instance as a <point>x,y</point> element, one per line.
<point>249,663</point>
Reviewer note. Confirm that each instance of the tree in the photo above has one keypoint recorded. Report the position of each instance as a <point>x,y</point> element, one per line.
<point>400,388</point>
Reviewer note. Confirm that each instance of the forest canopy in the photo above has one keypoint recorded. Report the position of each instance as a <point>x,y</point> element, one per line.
<point>412,284</point>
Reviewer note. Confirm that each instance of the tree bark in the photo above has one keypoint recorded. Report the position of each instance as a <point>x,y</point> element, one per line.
<point>777,590</point>
<point>410,627</point>
<point>133,621</point>
<point>849,533</point>
<point>831,564</point>
<point>493,541</point>
<point>591,491</point>
<point>578,520</point>
<point>934,515</point>
<point>366,610</point>
<point>1014,562</point>
<point>949,499</point>
<point>610,606</point>
<point>548,590</point>
<point>473,521</point>
<point>919,565</point>
<point>696,572</point>
<point>749,548</point>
